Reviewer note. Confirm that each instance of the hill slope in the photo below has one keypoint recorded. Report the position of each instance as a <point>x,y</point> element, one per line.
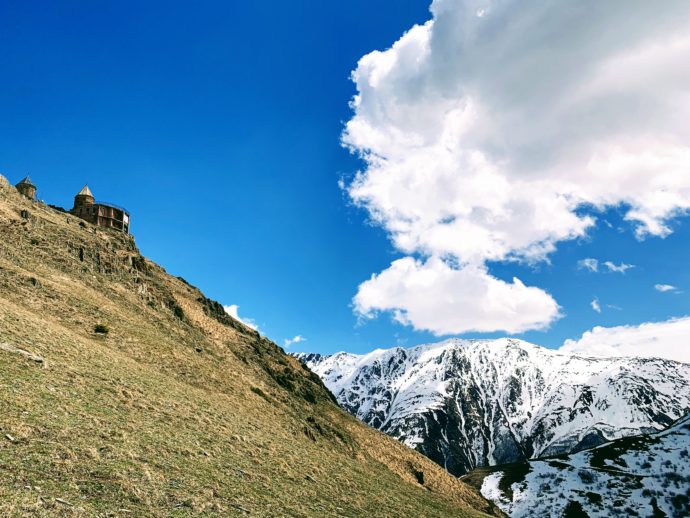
<point>179,409</point>
<point>647,475</point>
<point>467,404</point>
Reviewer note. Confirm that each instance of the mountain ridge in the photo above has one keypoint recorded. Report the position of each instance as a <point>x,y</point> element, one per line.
<point>472,403</point>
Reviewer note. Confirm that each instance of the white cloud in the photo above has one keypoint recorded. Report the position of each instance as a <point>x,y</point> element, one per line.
<point>665,288</point>
<point>593,265</point>
<point>589,264</point>
<point>233,311</point>
<point>670,340</point>
<point>596,306</point>
<point>618,268</point>
<point>484,136</point>
<point>436,297</point>
<point>296,340</point>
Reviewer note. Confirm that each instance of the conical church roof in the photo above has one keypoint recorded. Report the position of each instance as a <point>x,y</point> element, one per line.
<point>85,192</point>
<point>26,181</point>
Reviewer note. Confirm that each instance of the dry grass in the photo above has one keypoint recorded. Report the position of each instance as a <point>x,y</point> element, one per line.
<point>178,410</point>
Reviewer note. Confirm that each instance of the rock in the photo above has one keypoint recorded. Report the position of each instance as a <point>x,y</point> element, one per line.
<point>11,349</point>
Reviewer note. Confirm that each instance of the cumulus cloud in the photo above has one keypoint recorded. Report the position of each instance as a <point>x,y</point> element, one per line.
<point>618,268</point>
<point>667,340</point>
<point>589,264</point>
<point>665,288</point>
<point>296,340</point>
<point>233,311</point>
<point>436,297</point>
<point>488,130</point>
<point>596,305</point>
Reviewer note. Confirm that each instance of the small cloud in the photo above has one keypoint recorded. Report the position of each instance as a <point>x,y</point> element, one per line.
<point>618,268</point>
<point>614,307</point>
<point>666,288</point>
<point>589,264</point>
<point>233,311</point>
<point>296,340</point>
<point>596,306</point>
<point>593,265</point>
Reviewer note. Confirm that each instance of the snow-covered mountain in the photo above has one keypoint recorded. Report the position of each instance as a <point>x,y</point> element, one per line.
<point>471,403</point>
<point>641,476</point>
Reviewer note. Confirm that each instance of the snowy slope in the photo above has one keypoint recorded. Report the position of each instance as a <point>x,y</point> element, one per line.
<point>467,403</point>
<point>641,476</point>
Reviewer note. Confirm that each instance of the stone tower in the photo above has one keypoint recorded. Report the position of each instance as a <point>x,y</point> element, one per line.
<point>83,199</point>
<point>27,188</point>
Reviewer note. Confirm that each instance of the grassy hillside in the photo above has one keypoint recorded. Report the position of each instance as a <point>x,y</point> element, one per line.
<point>177,410</point>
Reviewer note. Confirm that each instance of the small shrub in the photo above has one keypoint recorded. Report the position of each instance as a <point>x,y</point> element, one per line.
<point>260,393</point>
<point>675,477</point>
<point>594,498</point>
<point>101,329</point>
<point>587,477</point>
<point>179,312</point>
<point>681,503</point>
<point>309,396</point>
<point>574,510</point>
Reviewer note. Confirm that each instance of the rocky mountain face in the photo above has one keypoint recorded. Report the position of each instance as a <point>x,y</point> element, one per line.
<point>467,404</point>
<point>647,475</point>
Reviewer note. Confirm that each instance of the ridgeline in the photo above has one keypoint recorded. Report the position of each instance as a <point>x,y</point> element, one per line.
<point>124,391</point>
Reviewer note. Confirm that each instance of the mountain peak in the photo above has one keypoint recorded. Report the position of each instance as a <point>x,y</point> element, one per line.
<point>470,403</point>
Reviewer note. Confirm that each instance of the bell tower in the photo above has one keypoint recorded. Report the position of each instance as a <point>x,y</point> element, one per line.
<point>83,199</point>
<point>27,188</point>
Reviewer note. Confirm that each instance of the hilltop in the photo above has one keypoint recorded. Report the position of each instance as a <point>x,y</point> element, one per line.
<point>124,391</point>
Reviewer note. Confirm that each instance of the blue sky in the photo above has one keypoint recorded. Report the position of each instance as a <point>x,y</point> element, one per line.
<point>219,127</point>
